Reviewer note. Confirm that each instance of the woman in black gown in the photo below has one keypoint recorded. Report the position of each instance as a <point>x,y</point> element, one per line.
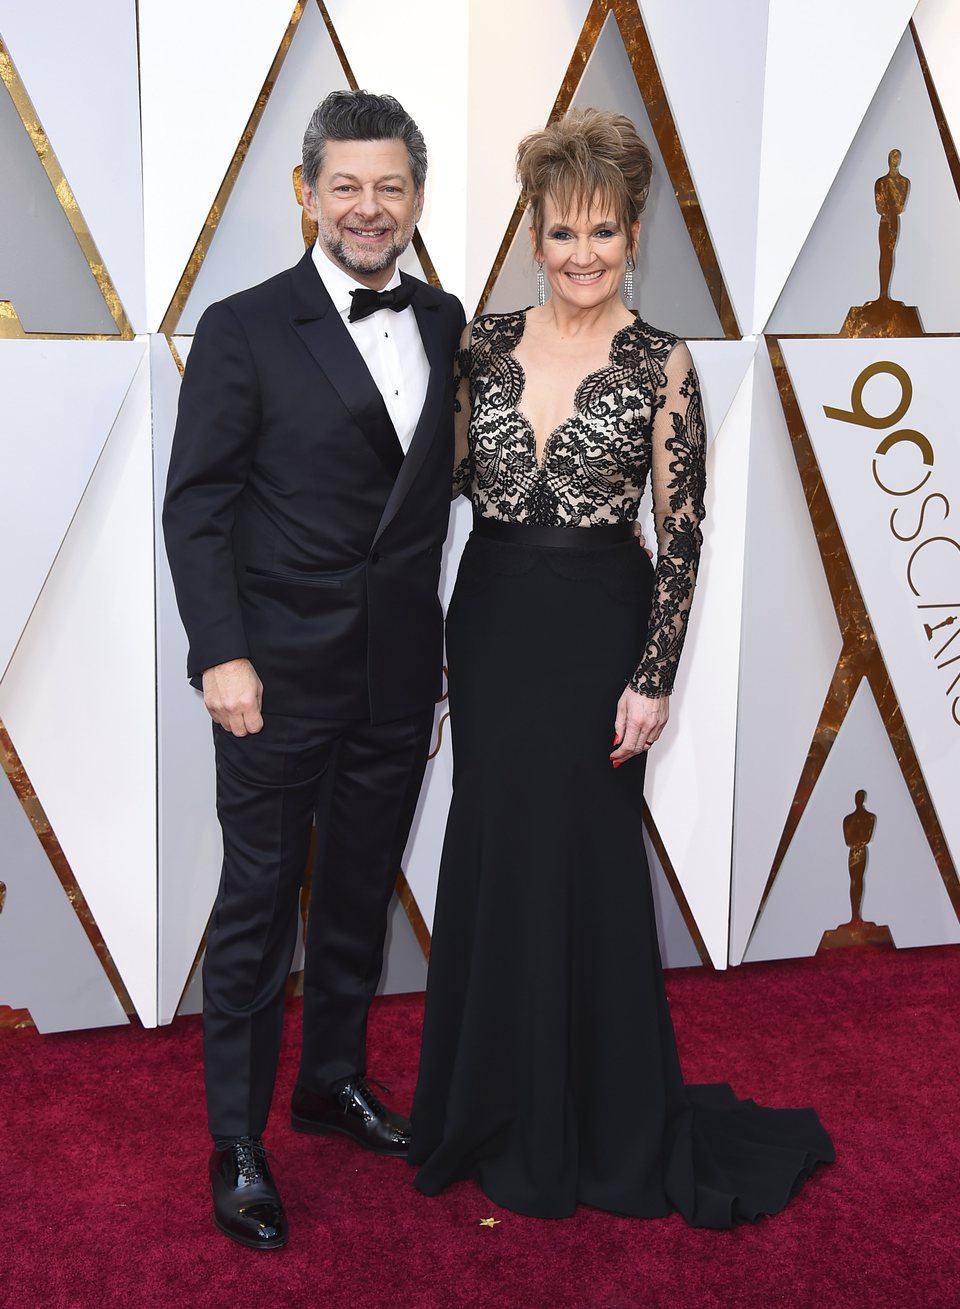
<point>549,1070</point>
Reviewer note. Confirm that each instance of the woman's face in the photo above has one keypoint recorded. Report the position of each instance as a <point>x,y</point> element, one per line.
<point>584,255</point>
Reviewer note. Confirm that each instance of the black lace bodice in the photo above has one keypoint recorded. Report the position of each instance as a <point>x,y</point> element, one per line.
<point>639,416</point>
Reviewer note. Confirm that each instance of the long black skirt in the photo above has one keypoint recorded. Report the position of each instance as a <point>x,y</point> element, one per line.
<point>549,1069</point>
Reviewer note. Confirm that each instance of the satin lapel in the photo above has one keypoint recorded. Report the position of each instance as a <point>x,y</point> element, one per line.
<point>429,321</point>
<point>325,335</point>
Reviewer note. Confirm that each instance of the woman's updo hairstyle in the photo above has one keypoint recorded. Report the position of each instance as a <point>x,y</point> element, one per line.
<point>587,153</point>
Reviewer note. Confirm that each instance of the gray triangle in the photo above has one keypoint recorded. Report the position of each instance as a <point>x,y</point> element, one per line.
<point>47,964</point>
<point>677,947</point>
<point>43,271</point>
<point>404,967</point>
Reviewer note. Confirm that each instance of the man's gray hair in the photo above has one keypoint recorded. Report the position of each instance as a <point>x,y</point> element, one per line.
<point>360,116</point>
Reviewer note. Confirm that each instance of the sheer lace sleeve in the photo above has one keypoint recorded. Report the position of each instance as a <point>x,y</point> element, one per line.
<point>678,480</point>
<point>462,462</point>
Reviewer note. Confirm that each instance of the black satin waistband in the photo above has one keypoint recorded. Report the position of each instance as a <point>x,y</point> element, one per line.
<point>574,538</point>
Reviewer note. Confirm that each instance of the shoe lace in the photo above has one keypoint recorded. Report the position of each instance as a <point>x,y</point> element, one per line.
<point>363,1086</point>
<point>250,1154</point>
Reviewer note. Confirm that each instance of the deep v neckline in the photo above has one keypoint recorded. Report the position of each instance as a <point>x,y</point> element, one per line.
<point>541,459</point>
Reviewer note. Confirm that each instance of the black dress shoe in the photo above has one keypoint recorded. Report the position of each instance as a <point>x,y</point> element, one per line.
<point>354,1111</point>
<point>246,1205</point>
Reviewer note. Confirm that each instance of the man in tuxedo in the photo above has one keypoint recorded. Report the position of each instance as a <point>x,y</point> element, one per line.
<point>305,513</point>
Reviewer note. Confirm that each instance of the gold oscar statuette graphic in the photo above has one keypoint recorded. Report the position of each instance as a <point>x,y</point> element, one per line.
<point>883,316</point>
<point>858,828</point>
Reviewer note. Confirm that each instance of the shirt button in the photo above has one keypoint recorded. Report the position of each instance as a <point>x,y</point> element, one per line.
<point>396,393</point>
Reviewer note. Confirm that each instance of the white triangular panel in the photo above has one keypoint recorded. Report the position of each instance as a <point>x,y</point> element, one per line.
<point>903,889</point>
<point>721,367</point>
<point>201,70</point>
<point>690,771</point>
<point>259,230</point>
<point>421,861</point>
<point>60,401</point>
<point>78,698</point>
<point>838,266</point>
<point>910,586</point>
<point>81,75</point>
<point>938,30</point>
<point>711,60</point>
<point>824,62</point>
<point>789,650</point>
<point>47,964</point>
<point>670,290</point>
<point>190,849</point>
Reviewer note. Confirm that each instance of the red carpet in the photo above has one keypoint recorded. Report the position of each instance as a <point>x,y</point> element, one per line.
<point>105,1200</point>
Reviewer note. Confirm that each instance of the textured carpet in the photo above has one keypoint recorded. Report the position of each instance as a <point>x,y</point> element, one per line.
<point>105,1198</point>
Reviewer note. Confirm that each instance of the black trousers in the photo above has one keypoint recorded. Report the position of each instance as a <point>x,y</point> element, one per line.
<point>361,782</point>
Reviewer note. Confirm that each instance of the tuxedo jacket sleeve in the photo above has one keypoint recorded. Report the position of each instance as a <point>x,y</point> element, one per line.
<point>217,432</point>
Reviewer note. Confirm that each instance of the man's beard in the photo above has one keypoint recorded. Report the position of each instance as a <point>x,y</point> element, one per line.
<point>357,261</point>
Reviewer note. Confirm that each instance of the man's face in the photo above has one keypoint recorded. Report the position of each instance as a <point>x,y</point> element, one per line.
<point>366,207</point>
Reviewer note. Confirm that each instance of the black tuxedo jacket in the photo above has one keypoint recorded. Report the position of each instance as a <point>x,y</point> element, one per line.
<point>299,535</point>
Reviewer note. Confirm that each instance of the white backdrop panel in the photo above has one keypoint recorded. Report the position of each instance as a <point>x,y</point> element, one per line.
<point>711,60</point>
<point>47,965</point>
<point>80,71</point>
<point>422,857</point>
<point>669,286</point>
<point>190,848</point>
<point>513,86</point>
<point>259,231</point>
<point>827,58</point>
<point>938,28</point>
<point>838,265</point>
<point>903,889</point>
<point>691,770</point>
<point>790,646</point>
<point>201,70</point>
<point>78,698</point>
<point>904,545</point>
<point>60,401</point>
<point>409,38</point>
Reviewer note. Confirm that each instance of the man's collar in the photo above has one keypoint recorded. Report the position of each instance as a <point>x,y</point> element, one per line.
<point>339,283</point>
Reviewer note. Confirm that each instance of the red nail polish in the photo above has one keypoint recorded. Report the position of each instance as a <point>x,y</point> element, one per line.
<point>617,763</point>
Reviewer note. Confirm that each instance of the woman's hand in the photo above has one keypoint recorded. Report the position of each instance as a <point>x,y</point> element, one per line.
<point>640,720</point>
<point>641,540</point>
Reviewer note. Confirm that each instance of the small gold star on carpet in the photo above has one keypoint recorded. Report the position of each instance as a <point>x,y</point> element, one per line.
<point>489,1222</point>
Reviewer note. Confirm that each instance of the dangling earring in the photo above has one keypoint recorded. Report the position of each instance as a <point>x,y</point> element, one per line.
<point>541,285</point>
<point>628,281</point>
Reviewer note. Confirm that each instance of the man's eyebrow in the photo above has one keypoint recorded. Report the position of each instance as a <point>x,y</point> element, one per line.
<point>352,177</point>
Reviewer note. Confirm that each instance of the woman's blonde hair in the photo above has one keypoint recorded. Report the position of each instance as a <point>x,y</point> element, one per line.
<point>587,154</point>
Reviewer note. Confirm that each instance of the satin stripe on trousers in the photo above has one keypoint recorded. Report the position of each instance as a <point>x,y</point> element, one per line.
<point>361,781</point>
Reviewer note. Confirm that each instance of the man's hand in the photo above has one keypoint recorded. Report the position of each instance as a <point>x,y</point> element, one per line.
<point>641,540</point>
<point>233,694</point>
<point>640,720</point>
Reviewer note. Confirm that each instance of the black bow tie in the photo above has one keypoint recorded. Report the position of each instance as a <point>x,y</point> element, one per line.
<point>366,302</point>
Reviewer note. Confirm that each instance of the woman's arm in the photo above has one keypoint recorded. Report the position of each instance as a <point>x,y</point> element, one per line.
<point>678,478</point>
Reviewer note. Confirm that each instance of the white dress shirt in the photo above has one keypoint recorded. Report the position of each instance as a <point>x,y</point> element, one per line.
<point>389,344</point>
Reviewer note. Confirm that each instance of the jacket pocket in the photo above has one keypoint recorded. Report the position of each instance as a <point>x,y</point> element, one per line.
<point>298,579</point>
